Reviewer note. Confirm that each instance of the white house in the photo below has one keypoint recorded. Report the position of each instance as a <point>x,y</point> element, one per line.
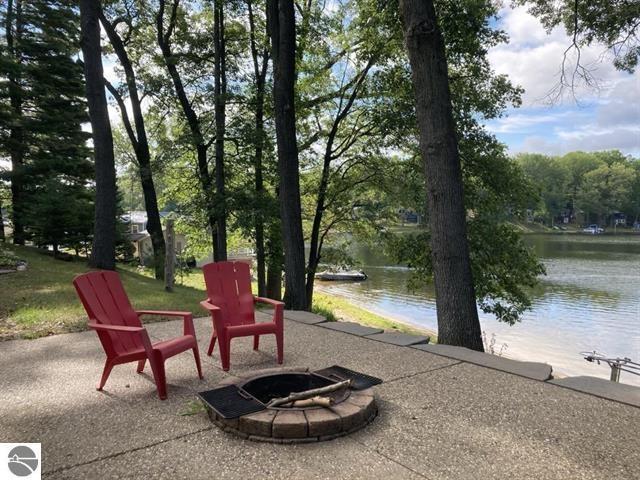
<point>141,240</point>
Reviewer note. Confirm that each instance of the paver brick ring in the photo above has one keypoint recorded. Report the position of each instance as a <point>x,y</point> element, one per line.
<point>350,410</point>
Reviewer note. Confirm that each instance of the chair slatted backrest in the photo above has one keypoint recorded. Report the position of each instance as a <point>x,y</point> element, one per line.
<point>229,288</point>
<point>106,302</point>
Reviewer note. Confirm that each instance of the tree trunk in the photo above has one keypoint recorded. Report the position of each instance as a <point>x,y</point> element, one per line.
<point>197,139</point>
<point>2,237</point>
<point>283,38</point>
<point>16,131</point>
<point>260,73</point>
<point>220,93</point>
<point>274,261</point>
<point>458,322</point>
<point>104,233</point>
<point>315,244</point>
<point>140,145</point>
<point>170,258</point>
<point>314,250</point>
<point>274,282</point>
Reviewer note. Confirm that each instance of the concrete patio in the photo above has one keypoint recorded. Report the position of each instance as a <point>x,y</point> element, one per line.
<point>441,417</point>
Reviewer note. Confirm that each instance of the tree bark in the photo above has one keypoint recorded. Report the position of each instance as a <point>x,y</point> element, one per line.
<point>170,258</point>
<point>283,39</point>
<point>260,74</point>
<point>103,250</point>
<point>140,145</point>
<point>220,94</point>
<point>197,139</point>
<point>274,260</point>
<point>458,322</point>
<point>2,236</point>
<point>16,131</point>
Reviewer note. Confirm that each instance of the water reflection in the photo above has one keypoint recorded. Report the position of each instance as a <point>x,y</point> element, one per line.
<point>590,299</point>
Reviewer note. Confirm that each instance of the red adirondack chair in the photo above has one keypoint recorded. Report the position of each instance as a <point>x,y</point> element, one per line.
<point>231,305</point>
<point>121,333</point>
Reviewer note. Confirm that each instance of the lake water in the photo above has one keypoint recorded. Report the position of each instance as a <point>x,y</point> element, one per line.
<point>589,300</point>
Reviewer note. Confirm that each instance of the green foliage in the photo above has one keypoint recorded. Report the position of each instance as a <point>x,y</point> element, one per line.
<point>614,24</point>
<point>606,189</point>
<point>551,178</point>
<point>8,259</point>
<point>60,214</point>
<point>338,256</point>
<point>583,186</point>
<point>57,199</point>
<point>503,267</point>
<point>192,407</point>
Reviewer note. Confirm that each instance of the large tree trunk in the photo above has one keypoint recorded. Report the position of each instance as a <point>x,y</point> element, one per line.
<point>283,38</point>
<point>140,145</point>
<point>220,93</point>
<point>260,74</point>
<point>458,322</point>
<point>16,131</point>
<point>104,233</point>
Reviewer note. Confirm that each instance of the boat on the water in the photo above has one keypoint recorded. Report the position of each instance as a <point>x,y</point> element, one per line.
<point>342,276</point>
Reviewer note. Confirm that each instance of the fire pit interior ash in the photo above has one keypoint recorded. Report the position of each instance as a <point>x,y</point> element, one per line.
<point>269,387</point>
<point>243,405</point>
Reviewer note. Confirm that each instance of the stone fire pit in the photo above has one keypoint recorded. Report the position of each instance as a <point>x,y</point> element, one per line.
<point>351,409</point>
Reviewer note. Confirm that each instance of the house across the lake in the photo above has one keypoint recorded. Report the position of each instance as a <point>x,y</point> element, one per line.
<point>141,240</point>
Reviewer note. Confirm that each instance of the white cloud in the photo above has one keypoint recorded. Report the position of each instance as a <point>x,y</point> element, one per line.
<point>607,117</point>
<point>524,122</point>
<point>533,59</point>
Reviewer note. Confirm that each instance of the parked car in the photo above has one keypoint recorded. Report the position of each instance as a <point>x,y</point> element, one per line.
<point>593,229</point>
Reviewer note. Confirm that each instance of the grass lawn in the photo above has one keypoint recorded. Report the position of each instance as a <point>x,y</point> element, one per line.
<point>336,308</point>
<point>41,301</point>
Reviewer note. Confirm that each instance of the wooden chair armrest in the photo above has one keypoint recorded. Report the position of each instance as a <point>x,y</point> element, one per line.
<point>116,328</point>
<point>187,316</point>
<point>165,313</point>
<point>278,309</point>
<point>207,305</point>
<point>269,301</point>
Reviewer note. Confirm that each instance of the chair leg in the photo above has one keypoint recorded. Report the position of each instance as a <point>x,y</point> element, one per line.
<point>212,343</point>
<point>141,365</point>
<point>256,342</point>
<point>157,367</point>
<point>108,366</point>
<point>225,347</point>
<point>280,346</point>
<point>196,355</point>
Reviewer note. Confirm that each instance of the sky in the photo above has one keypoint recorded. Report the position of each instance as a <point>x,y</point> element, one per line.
<point>602,118</point>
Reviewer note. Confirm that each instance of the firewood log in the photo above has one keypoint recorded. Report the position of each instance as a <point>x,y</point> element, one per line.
<point>309,393</point>
<point>314,401</point>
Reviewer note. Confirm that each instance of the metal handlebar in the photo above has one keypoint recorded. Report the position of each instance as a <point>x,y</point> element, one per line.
<point>617,364</point>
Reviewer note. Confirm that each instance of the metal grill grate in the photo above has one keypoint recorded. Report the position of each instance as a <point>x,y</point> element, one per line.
<point>359,381</point>
<point>231,402</point>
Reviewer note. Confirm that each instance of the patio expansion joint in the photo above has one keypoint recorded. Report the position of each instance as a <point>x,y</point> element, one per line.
<point>442,367</point>
<point>124,452</point>
<point>391,459</point>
